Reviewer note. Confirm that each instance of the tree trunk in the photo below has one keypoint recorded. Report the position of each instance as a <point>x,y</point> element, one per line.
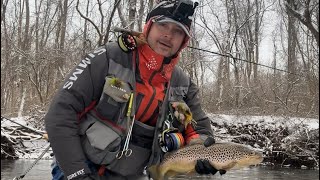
<point>84,43</point>
<point>63,29</point>
<point>3,9</point>
<point>25,47</point>
<point>22,101</point>
<point>292,59</point>
<point>256,41</point>
<point>132,13</point>
<point>123,21</point>
<point>141,13</point>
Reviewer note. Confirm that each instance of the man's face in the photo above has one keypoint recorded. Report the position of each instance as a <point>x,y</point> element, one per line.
<point>165,38</point>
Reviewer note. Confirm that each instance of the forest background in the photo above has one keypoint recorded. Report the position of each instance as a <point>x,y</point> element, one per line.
<point>42,40</point>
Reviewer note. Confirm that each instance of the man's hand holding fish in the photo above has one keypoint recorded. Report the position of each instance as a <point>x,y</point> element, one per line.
<point>203,166</point>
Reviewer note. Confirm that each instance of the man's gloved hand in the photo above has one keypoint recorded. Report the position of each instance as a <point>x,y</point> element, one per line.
<point>182,113</point>
<point>209,141</point>
<point>203,166</point>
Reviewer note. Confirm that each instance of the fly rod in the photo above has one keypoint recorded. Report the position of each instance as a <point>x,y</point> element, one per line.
<point>43,134</point>
<point>33,164</point>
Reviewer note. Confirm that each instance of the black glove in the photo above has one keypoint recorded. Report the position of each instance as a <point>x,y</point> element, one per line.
<point>203,166</point>
<point>209,141</point>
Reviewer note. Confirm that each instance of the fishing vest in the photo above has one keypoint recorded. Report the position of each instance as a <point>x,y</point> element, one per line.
<point>104,125</point>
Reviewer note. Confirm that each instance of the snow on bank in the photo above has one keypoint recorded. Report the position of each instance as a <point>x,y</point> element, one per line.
<point>274,121</point>
<point>36,147</point>
<point>220,122</point>
<point>20,120</point>
<point>286,141</point>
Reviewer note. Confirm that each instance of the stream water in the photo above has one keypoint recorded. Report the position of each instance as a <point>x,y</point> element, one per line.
<point>41,171</point>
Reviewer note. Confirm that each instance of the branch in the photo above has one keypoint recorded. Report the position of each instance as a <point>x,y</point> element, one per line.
<point>235,34</point>
<point>101,13</point>
<point>3,151</point>
<point>86,18</point>
<point>110,20</point>
<point>281,101</point>
<point>310,154</point>
<point>304,19</point>
<point>212,35</point>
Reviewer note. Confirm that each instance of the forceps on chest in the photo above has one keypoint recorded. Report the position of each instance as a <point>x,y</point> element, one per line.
<point>126,151</point>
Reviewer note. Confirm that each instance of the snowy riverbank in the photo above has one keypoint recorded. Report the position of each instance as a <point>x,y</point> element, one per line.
<point>290,142</point>
<point>20,143</point>
<point>286,141</point>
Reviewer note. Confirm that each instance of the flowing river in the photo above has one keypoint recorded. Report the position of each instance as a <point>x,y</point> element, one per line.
<point>41,171</point>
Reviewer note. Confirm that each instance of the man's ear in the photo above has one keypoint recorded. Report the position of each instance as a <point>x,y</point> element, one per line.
<point>184,43</point>
<point>182,46</point>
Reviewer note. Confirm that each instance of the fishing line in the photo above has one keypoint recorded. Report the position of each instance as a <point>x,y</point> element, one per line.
<point>230,56</point>
<point>132,32</point>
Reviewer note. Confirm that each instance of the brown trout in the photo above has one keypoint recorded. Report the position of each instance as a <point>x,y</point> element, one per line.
<point>222,156</point>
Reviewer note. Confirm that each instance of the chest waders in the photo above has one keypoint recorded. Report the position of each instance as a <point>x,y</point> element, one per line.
<point>109,134</point>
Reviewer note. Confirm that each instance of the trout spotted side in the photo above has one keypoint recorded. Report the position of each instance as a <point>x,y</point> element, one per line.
<point>222,156</point>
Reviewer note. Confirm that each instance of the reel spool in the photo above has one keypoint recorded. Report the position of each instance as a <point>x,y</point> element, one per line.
<point>172,141</point>
<point>127,42</point>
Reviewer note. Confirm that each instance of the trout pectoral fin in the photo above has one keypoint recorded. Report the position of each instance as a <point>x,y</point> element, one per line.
<point>228,166</point>
<point>170,174</point>
<point>154,172</point>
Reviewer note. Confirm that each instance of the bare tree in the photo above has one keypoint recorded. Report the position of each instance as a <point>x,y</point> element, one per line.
<point>310,16</point>
<point>102,33</point>
<point>292,43</point>
<point>110,20</point>
<point>25,48</point>
<point>86,42</point>
<point>39,45</point>
<point>223,71</point>
<point>3,8</point>
<point>123,21</point>
<point>140,15</point>
<point>132,13</point>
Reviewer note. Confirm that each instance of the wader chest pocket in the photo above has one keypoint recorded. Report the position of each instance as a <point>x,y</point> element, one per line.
<point>135,164</point>
<point>101,143</point>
